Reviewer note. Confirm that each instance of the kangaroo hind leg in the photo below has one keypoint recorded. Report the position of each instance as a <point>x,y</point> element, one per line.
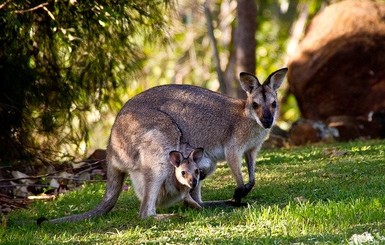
<point>152,184</point>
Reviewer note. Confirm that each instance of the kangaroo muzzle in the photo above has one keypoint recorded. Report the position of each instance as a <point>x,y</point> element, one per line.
<point>194,183</point>
<point>267,122</point>
<point>267,118</point>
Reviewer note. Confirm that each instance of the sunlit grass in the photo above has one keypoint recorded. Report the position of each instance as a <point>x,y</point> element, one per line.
<point>310,195</point>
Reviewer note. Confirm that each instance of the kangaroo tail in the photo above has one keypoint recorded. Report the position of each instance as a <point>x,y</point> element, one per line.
<point>114,187</point>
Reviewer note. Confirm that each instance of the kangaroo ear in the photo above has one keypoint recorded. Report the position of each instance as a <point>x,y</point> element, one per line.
<point>176,158</point>
<point>276,78</point>
<point>249,82</point>
<point>197,155</point>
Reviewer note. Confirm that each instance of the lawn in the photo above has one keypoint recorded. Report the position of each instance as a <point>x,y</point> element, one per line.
<point>320,194</point>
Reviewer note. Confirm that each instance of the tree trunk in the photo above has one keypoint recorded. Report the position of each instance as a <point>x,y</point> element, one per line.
<point>214,47</point>
<point>245,42</point>
<point>243,47</point>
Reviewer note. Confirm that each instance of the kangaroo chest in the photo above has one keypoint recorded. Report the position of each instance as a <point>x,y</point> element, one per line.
<point>171,192</point>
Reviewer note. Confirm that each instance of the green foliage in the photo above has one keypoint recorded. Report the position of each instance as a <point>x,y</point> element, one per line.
<point>64,65</point>
<point>321,194</point>
<point>60,61</point>
<point>189,57</point>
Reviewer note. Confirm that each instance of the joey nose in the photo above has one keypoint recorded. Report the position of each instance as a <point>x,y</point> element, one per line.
<point>194,183</point>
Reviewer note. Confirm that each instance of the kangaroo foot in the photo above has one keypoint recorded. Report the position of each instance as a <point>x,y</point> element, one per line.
<point>241,192</point>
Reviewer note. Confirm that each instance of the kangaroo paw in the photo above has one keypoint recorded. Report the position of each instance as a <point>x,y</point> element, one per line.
<point>241,192</point>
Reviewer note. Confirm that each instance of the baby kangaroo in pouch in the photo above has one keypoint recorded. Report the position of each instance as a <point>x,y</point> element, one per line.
<point>184,180</point>
<point>183,177</point>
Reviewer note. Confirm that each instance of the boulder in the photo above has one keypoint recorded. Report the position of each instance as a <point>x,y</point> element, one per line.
<point>351,128</point>
<point>305,131</point>
<point>339,67</point>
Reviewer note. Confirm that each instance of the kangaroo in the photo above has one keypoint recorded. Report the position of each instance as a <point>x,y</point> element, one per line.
<point>163,118</point>
<point>182,181</point>
<point>176,187</point>
<point>227,128</point>
<point>142,144</point>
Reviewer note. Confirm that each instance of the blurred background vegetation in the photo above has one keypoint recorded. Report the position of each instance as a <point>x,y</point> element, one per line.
<point>67,67</point>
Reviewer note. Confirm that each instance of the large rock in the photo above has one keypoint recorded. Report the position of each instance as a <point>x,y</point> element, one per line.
<point>339,68</point>
<point>305,131</point>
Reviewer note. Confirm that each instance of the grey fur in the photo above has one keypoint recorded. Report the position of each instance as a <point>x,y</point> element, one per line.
<point>164,118</point>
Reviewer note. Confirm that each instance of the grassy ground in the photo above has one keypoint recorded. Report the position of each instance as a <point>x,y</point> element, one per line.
<point>325,194</point>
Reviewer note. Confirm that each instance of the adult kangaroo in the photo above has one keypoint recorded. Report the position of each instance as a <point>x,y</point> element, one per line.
<point>169,117</point>
<point>227,128</point>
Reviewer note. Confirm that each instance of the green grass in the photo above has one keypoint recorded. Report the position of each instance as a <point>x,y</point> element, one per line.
<point>307,195</point>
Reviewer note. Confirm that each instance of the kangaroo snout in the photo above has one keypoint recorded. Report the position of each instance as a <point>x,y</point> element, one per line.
<point>267,122</point>
<point>191,181</point>
<point>194,183</point>
<point>267,118</point>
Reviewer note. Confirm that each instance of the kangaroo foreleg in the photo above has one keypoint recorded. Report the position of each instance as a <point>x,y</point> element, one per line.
<point>250,158</point>
<point>206,168</point>
<point>234,162</point>
<point>189,201</point>
<point>196,193</point>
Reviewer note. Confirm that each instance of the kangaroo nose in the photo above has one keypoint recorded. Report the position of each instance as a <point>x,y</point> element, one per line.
<point>267,118</point>
<point>267,122</point>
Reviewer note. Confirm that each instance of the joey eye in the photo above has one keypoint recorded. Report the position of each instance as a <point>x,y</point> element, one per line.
<point>255,105</point>
<point>183,173</point>
<point>274,104</point>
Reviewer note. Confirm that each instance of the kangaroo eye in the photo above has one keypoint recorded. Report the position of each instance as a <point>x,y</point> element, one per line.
<point>274,104</point>
<point>255,105</point>
<point>183,173</point>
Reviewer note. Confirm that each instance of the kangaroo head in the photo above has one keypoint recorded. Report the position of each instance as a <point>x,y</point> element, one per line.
<point>261,102</point>
<point>186,169</point>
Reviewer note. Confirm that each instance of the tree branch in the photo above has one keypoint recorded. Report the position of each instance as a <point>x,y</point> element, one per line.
<point>31,9</point>
<point>3,5</point>
<point>91,166</point>
<point>217,61</point>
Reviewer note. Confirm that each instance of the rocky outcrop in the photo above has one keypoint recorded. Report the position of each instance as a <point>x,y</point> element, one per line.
<point>339,69</point>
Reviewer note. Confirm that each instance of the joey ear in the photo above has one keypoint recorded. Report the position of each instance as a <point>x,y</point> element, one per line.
<point>276,78</point>
<point>176,158</point>
<point>197,155</point>
<point>249,82</point>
